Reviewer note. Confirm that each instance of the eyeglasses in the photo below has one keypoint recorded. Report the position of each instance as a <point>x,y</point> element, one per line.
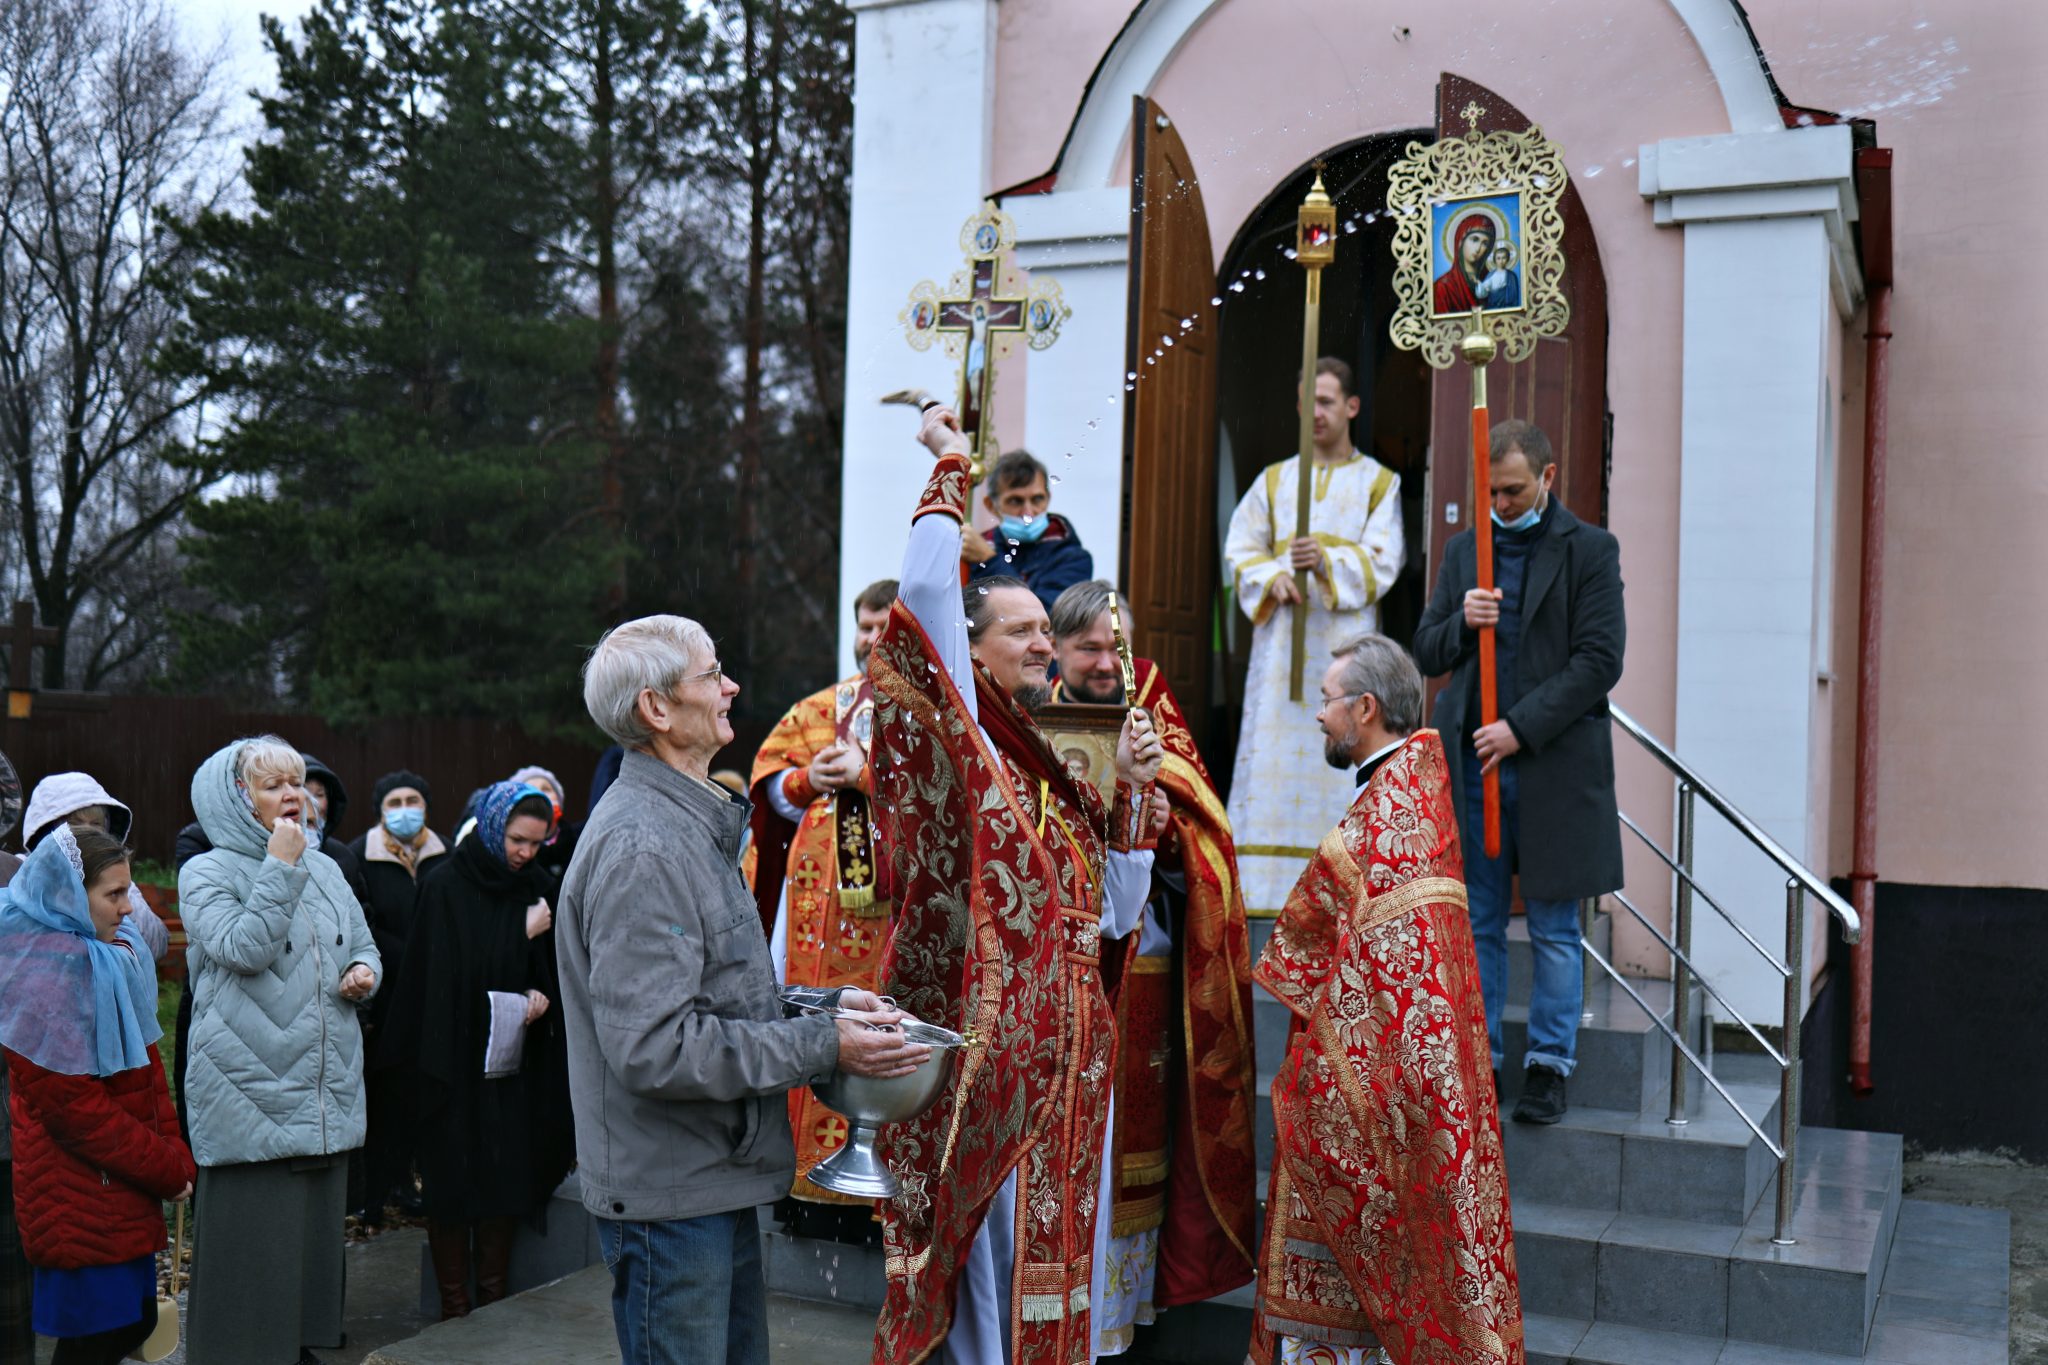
<point>1329,702</point>
<point>716,673</point>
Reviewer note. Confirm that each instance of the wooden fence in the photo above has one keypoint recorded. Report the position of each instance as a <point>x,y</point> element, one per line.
<point>144,749</point>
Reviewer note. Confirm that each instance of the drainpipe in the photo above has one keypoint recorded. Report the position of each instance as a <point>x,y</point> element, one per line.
<point>1873,176</point>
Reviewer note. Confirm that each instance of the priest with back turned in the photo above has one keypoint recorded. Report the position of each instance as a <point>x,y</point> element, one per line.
<point>1183,1166</point>
<point>1010,874</point>
<point>1387,1217</point>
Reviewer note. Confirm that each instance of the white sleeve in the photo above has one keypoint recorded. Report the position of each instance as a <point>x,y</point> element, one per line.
<point>1354,576</point>
<point>154,935</point>
<point>1127,881</point>
<point>779,802</point>
<point>1250,553</point>
<point>930,587</point>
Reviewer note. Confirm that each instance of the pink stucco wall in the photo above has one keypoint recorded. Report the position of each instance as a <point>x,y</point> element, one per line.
<point>1257,89</point>
<point>1955,90</point>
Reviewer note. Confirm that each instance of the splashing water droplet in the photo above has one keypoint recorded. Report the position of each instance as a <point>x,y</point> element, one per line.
<point>1216,302</point>
<point>1260,274</point>
<point>1151,360</point>
<point>982,591</point>
<point>1054,477</point>
<point>1168,340</point>
<point>1592,172</point>
<point>1130,375</point>
<point>1541,182</point>
<point>1291,254</point>
<point>1094,422</point>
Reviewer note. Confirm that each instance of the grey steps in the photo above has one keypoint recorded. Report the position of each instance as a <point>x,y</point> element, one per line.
<point>1712,1170</point>
<point>820,1271</point>
<point>1716,1280</point>
<point>1945,1300</point>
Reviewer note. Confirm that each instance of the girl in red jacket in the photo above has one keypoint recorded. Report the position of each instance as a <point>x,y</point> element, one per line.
<point>96,1146</point>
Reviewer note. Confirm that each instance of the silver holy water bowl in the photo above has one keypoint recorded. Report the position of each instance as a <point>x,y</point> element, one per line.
<point>867,1102</point>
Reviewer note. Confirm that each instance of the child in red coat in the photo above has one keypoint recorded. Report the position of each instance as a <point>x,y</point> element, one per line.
<point>96,1146</point>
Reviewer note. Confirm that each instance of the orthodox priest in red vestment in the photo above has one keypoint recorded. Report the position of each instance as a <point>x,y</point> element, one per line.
<point>1387,1218</point>
<point>1184,1164</point>
<point>1007,875</point>
<point>816,876</point>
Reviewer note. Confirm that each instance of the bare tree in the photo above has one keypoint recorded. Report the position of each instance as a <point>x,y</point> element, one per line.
<point>107,126</point>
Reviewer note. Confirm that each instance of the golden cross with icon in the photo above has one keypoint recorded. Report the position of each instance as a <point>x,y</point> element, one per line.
<point>984,306</point>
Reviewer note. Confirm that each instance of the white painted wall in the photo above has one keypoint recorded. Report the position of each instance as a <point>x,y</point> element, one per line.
<point>923,80</point>
<point>1081,239</point>
<point>1767,281</point>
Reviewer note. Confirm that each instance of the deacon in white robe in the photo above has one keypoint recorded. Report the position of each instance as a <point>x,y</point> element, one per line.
<point>1283,797</point>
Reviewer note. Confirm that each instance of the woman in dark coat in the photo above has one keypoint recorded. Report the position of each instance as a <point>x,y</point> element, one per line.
<point>491,1149</point>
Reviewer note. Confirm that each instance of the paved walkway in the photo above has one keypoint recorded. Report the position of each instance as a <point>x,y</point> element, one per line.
<point>569,1322</point>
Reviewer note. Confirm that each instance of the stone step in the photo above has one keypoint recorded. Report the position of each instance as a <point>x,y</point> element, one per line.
<point>1716,1280</point>
<point>1712,1170</point>
<point>820,1271</point>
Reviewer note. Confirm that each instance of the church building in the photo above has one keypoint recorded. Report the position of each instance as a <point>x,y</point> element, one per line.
<point>1749,186</point>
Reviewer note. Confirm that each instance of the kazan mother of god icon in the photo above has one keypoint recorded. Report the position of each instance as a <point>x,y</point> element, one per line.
<point>1474,254</point>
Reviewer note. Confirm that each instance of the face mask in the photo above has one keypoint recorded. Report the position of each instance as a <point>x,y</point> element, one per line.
<point>1524,521</point>
<point>1018,529</point>
<point>404,822</point>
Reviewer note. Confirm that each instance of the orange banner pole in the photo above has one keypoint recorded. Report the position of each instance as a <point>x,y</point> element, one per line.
<point>1478,350</point>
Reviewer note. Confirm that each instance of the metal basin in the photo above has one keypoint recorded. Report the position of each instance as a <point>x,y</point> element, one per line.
<point>868,1102</point>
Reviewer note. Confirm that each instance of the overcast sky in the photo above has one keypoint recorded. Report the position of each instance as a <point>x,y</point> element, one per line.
<point>234,25</point>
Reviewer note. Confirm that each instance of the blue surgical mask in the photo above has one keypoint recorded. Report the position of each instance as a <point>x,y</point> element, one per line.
<point>1019,529</point>
<point>405,822</point>
<point>1524,521</point>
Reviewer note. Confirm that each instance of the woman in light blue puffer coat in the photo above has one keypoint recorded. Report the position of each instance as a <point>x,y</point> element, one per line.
<point>280,956</point>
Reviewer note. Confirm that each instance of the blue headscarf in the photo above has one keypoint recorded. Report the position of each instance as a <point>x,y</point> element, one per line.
<point>494,809</point>
<point>68,1002</point>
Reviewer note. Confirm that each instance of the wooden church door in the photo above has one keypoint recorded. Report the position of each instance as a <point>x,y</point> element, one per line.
<point>1169,555</point>
<point>1561,387</point>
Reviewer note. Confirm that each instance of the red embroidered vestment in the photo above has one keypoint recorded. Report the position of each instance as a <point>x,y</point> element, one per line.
<point>1388,1211</point>
<point>836,910</point>
<point>998,860</point>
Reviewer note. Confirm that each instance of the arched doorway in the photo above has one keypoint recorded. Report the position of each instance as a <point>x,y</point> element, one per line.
<point>1260,359</point>
<point>1408,412</point>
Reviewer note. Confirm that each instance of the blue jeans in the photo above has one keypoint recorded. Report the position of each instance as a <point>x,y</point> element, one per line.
<point>1559,990</point>
<point>688,1291</point>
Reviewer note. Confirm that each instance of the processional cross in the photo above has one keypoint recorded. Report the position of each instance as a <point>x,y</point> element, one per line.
<point>983,307</point>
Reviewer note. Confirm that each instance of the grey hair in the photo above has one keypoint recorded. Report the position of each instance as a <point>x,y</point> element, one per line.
<point>1376,666</point>
<point>981,611</point>
<point>268,754</point>
<point>650,654</point>
<point>1075,609</point>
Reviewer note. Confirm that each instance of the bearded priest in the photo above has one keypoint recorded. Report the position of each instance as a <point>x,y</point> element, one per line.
<point>1184,1169</point>
<point>814,870</point>
<point>1009,874</point>
<point>1387,1217</point>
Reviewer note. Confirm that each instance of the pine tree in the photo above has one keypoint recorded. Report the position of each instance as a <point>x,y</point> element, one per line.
<point>415,529</point>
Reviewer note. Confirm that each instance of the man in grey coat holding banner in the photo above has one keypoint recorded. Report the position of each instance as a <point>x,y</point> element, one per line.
<point>679,1055</point>
<point>1559,631</point>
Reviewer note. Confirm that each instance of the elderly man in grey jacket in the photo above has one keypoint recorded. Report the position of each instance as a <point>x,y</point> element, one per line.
<point>680,1058</point>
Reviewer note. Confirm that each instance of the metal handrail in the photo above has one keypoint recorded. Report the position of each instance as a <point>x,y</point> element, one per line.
<point>1697,890</point>
<point>1852,925</point>
<point>1799,884</point>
